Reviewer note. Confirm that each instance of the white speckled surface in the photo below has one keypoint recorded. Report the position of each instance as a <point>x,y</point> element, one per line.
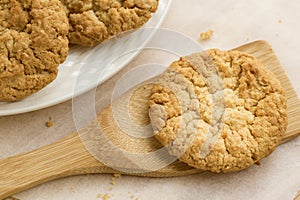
<point>235,22</point>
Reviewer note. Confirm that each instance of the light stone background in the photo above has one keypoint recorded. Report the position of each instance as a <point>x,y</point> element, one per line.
<point>235,22</point>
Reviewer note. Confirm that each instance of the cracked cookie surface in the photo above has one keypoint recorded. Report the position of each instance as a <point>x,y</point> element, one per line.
<point>33,42</point>
<point>249,127</point>
<point>93,21</point>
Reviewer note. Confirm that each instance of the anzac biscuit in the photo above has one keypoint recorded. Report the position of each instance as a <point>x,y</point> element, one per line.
<point>221,128</point>
<point>33,42</point>
<point>93,21</point>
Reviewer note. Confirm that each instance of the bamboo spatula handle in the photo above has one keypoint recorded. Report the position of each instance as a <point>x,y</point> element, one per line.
<point>64,158</point>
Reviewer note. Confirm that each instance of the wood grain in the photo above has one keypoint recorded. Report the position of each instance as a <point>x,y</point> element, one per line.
<point>70,157</point>
<point>298,196</point>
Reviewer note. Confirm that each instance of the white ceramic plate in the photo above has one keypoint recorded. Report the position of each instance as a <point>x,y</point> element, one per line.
<point>63,88</point>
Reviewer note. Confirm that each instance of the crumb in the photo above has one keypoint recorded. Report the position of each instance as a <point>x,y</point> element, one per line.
<point>104,197</point>
<point>50,122</point>
<point>117,175</point>
<point>258,163</point>
<point>206,35</point>
<point>132,196</point>
<point>112,183</point>
<point>113,179</point>
<point>279,21</point>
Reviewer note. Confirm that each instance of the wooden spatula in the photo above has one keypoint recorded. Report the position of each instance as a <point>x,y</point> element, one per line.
<point>70,157</point>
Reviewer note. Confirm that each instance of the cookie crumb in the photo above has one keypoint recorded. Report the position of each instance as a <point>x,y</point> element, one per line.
<point>133,197</point>
<point>104,197</point>
<point>50,122</point>
<point>117,175</point>
<point>206,35</point>
<point>113,179</point>
<point>258,163</point>
<point>279,21</point>
<point>109,195</point>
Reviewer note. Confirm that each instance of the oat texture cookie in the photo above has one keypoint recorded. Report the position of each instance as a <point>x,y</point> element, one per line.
<point>93,21</point>
<point>33,42</point>
<point>221,111</point>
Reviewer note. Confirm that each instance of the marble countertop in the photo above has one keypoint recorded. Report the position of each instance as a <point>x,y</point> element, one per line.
<point>234,22</point>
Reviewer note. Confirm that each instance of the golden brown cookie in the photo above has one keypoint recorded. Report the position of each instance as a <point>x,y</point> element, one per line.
<point>33,42</point>
<point>93,21</point>
<point>220,126</point>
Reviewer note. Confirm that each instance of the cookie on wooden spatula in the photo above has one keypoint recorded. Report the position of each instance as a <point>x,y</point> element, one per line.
<point>33,42</point>
<point>93,21</point>
<point>220,111</point>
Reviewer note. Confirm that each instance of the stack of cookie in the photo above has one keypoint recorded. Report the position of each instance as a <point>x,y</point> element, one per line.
<point>34,36</point>
<point>221,111</point>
